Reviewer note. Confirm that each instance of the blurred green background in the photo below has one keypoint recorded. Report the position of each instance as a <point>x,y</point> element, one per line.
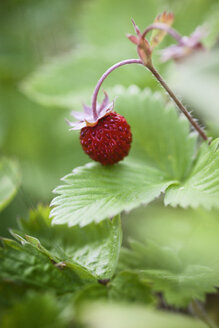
<point>86,36</point>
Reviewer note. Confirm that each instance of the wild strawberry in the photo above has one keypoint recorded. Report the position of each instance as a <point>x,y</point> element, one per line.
<point>109,141</point>
<point>106,139</point>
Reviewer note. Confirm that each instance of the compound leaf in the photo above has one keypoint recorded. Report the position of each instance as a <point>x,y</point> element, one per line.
<point>158,159</point>
<point>93,192</point>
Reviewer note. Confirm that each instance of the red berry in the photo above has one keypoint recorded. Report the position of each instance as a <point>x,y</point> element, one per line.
<point>109,141</point>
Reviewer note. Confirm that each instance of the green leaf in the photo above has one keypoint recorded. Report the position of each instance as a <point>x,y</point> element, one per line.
<point>90,293</point>
<point>158,131</point>
<point>125,287</point>
<point>25,264</point>
<point>9,181</point>
<point>177,252</point>
<point>128,316</point>
<point>158,159</point>
<point>91,251</point>
<point>201,188</point>
<point>94,192</point>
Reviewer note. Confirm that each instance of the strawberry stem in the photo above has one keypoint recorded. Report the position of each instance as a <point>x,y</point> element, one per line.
<point>160,80</point>
<point>104,76</point>
<point>163,27</point>
<point>177,101</point>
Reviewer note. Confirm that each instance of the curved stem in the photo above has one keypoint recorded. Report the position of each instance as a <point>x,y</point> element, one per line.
<point>163,27</point>
<point>177,102</point>
<point>160,80</point>
<point>103,77</point>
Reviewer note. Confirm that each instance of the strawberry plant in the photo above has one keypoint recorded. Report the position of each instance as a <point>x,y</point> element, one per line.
<point>97,257</point>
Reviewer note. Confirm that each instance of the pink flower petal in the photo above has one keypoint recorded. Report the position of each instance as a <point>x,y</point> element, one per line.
<point>104,103</point>
<point>78,115</point>
<point>87,109</point>
<point>77,125</point>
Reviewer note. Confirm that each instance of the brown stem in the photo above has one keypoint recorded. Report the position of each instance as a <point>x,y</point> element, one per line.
<point>198,310</point>
<point>177,102</point>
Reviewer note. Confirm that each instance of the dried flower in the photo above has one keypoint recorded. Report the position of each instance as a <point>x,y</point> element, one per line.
<point>87,118</point>
<point>185,47</point>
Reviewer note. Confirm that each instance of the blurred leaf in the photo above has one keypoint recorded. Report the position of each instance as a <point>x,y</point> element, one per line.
<point>94,192</point>
<point>10,292</point>
<point>89,293</point>
<point>177,252</point>
<point>9,181</point>
<point>126,287</point>
<point>201,188</point>
<point>115,20</point>
<point>188,15</point>
<point>91,251</point>
<point>70,80</point>
<point>37,152</point>
<point>212,22</point>
<point>33,30</point>
<point>38,310</point>
<point>197,80</point>
<point>127,316</point>
<point>158,35</point>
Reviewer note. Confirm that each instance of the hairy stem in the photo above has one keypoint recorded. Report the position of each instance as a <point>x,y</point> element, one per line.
<point>200,312</point>
<point>163,27</point>
<point>177,102</point>
<point>104,76</point>
<point>160,80</point>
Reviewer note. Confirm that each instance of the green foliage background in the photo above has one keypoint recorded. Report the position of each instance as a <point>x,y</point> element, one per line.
<point>34,33</point>
<point>51,55</point>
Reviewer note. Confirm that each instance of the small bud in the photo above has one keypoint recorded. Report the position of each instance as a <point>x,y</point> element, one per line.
<point>143,46</point>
